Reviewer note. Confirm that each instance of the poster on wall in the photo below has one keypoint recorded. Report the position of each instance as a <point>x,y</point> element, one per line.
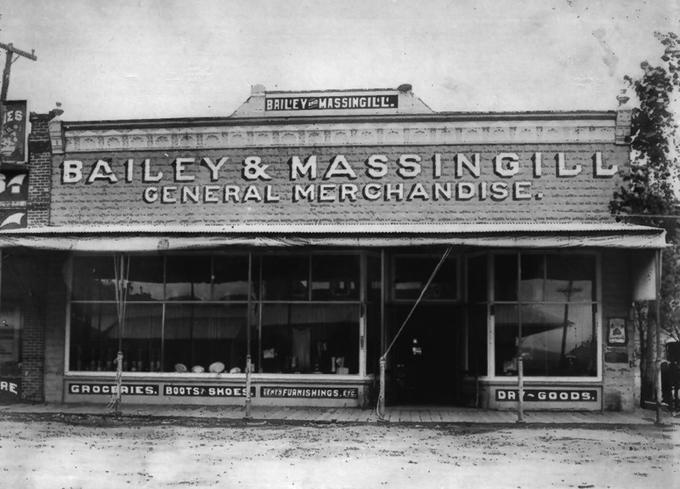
<point>616,329</point>
<point>13,132</point>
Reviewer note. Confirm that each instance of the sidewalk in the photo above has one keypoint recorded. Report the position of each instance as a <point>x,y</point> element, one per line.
<point>399,414</point>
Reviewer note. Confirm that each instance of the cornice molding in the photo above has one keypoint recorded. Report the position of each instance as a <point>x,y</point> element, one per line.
<point>372,133</point>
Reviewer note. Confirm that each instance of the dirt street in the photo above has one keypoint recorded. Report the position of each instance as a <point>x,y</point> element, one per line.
<point>86,453</point>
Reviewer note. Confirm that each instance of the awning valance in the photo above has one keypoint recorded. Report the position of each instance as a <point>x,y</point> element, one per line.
<point>497,235</point>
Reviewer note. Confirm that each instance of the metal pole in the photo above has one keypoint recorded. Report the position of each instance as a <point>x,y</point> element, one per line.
<point>520,388</point>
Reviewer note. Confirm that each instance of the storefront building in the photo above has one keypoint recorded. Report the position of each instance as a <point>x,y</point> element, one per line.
<point>301,231</point>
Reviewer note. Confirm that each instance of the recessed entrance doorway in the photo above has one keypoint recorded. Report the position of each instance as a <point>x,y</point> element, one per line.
<point>426,365</point>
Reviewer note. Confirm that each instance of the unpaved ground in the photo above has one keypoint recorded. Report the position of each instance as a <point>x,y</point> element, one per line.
<point>82,453</point>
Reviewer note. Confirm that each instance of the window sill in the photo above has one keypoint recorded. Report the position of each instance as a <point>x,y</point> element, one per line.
<point>256,377</point>
<point>512,380</point>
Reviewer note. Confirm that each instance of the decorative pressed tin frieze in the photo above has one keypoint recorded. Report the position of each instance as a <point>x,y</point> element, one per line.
<point>341,134</point>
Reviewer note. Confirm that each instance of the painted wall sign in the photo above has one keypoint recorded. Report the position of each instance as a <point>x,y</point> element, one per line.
<point>205,391</point>
<point>13,132</point>
<point>548,395</point>
<point>12,218</point>
<point>13,197</point>
<point>10,389</point>
<point>107,389</point>
<point>303,392</point>
<point>337,102</point>
<point>378,185</point>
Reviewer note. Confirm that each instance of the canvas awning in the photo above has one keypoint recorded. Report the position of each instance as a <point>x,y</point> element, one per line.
<point>486,235</point>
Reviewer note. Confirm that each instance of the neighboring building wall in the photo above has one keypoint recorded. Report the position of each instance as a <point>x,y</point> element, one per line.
<point>40,171</point>
<point>37,269</point>
<point>620,389</point>
<point>55,328</point>
<point>33,279</point>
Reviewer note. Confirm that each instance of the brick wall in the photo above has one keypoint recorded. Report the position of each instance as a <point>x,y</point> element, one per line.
<point>40,171</point>
<point>55,328</point>
<point>552,197</point>
<point>31,278</point>
<point>621,386</point>
<point>32,273</point>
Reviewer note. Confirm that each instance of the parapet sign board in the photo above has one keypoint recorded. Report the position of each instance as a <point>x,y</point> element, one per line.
<point>13,132</point>
<point>337,185</point>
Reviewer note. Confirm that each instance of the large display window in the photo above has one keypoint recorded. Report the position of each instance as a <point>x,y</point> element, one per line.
<point>190,313</point>
<point>545,307</point>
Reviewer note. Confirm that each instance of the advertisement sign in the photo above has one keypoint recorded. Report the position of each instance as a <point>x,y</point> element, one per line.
<point>13,132</point>
<point>341,102</point>
<point>366,185</point>
<point>302,392</point>
<point>81,388</point>
<point>10,390</point>
<point>616,331</point>
<point>13,197</point>
<point>175,390</point>
<point>548,395</point>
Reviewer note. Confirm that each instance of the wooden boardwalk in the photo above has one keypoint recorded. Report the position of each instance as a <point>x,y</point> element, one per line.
<point>417,415</point>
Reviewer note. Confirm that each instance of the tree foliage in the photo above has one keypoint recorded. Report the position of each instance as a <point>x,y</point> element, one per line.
<point>648,193</point>
<point>649,185</point>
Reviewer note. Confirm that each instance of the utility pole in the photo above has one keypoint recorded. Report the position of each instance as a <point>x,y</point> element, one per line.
<point>10,51</point>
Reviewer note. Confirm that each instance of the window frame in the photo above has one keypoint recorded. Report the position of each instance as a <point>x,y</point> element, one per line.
<point>257,302</point>
<point>393,270</point>
<point>491,318</point>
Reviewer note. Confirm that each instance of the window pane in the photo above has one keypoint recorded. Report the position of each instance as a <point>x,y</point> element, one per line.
<point>531,283</point>
<point>285,277</point>
<point>505,277</point>
<point>506,333</point>
<point>197,335</point>
<point>571,278</point>
<point>146,278</point>
<point>374,274</point>
<point>94,337</point>
<point>477,340</point>
<point>335,277</point>
<point>558,340</point>
<point>93,278</point>
<point>142,338</point>
<point>477,278</point>
<point>373,313</point>
<point>230,278</point>
<point>10,340</point>
<point>310,338</point>
<point>411,273</point>
<point>188,278</point>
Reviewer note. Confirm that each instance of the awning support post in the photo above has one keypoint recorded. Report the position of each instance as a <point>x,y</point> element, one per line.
<point>657,364</point>
<point>520,388</point>
<point>248,398</point>
<point>381,394</point>
<point>249,362</point>
<point>121,268</point>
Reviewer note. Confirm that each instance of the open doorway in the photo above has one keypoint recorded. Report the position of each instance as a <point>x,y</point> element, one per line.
<point>427,360</point>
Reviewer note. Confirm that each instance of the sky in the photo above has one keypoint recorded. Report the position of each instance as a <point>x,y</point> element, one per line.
<point>128,59</point>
